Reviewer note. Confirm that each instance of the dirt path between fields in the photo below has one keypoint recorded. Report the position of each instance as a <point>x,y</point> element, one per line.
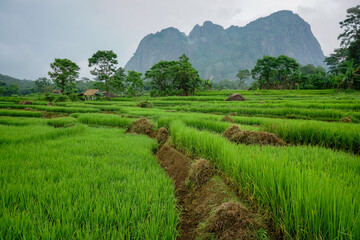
<point>209,209</point>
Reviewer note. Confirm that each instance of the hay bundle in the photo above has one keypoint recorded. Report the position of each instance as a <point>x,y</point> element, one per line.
<point>142,126</point>
<point>227,118</point>
<point>236,97</point>
<point>162,135</point>
<point>201,171</point>
<point>230,221</point>
<point>25,103</point>
<point>346,120</point>
<point>235,134</point>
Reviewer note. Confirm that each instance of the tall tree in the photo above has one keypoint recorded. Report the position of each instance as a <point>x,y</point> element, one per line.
<point>347,57</point>
<point>41,84</point>
<point>2,88</point>
<point>64,73</point>
<point>264,70</point>
<point>104,63</point>
<point>161,76</point>
<point>242,76</point>
<point>13,89</point>
<point>118,81</point>
<point>351,26</point>
<point>134,83</point>
<point>186,78</point>
<point>286,66</point>
<point>174,77</point>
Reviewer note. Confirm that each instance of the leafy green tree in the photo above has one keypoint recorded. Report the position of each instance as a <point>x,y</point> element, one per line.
<point>41,84</point>
<point>64,72</point>
<point>242,76</point>
<point>104,63</point>
<point>351,26</point>
<point>160,76</point>
<point>135,83</point>
<point>186,78</point>
<point>345,61</point>
<point>13,89</point>
<point>174,77</point>
<point>264,70</point>
<point>285,67</point>
<point>2,88</point>
<point>347,78</point>
<point>119,80</point>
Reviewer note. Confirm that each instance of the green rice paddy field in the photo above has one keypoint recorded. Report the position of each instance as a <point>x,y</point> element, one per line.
<point>70,172</point>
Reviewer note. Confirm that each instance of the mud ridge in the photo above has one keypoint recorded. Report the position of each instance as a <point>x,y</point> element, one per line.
<point>210,209</point>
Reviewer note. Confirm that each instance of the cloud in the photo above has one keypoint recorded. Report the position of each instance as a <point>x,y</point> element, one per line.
<point>31,39</point>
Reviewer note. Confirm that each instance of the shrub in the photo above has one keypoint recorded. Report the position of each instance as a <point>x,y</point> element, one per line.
<point>144,104</point>
<point>62,98</point>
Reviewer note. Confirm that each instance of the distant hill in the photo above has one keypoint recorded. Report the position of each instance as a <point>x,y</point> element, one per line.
<point>219,53</point>
<point>24,85</point>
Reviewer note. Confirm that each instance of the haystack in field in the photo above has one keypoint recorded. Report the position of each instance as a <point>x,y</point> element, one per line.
<point>201,171</point>
<point>162,135</point>
<point>235,134</point>
<point>25,103</point>
<point>227,118</point>
<point>235,97</point>
<point>142,126</point>
<point>231,221</point>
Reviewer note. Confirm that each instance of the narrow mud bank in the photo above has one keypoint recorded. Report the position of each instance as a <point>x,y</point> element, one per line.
<point>209,208</point>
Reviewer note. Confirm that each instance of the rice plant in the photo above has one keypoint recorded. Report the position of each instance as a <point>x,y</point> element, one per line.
<point>100,184</point>
<point>312,192</point>
<point>105,119</point>
<point>20,113</point>
<point>62,121</point>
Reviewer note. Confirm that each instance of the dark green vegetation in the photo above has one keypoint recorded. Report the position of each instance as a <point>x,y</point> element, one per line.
<point>23,86</point>
<point>64,73</point>
<point>219,53</point>
<point>173,78</point>
<point>87,179</point>
<point>345,61</point>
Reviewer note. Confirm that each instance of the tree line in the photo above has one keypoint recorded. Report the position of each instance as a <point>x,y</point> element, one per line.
<point>181,78</point>
<point>163,79</point>
<point>284,72</point>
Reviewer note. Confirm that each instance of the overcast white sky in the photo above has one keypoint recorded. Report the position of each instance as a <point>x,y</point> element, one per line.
<point>34,32</point>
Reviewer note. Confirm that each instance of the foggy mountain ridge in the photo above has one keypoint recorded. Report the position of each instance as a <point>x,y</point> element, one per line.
<point>219,53</point>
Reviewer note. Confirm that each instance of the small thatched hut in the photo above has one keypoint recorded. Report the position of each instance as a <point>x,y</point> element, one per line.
<point>235,97</point>
<point>57,92</point>
<point>91,94</point>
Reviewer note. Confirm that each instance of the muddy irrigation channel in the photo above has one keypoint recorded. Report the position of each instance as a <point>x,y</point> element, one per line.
<point>210,206</point>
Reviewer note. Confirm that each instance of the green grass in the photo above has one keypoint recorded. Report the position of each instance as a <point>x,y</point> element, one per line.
<point>105,119</point>
<point>61,122</point>
<point>21,121</point>
<point>312,192</point>
<point>60,178</point>
<point>342,136</point>
<point>65,109</point>
<point>35,133</point>
<point>93,184</point>
<point>19,113</point>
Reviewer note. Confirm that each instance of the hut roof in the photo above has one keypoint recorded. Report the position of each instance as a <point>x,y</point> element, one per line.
<point>91,92</point>
<point>56,91</point>
<point>235,97</point>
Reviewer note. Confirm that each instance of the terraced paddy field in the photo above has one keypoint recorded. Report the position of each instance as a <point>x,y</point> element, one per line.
<point>280,165</point>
